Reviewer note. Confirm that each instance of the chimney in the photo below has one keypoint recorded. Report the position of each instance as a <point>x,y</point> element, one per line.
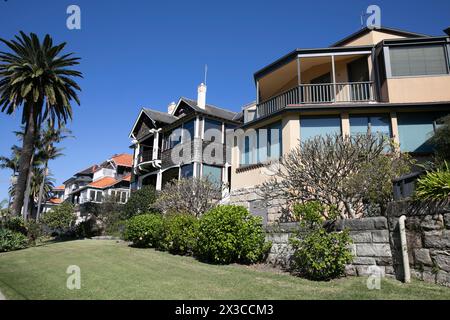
<point>171,108</point>
<point>447,31</point>
<point>201,98</point>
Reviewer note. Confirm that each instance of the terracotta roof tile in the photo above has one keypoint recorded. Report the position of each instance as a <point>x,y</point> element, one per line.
<point>125,160</point>
<point>55,201</point>
<point>62,187</point>
<point>103,183</point>
<point>127,178</point>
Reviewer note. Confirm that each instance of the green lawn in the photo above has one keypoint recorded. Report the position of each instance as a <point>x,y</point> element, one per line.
<point>111,270</point>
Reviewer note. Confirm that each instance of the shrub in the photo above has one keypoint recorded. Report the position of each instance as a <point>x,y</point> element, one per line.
<point>16,224</point>
<point>34,230</point>
<point>60,219</point>
<point>441,140</point>
<point>88,228</point>
<point>140,202</point>
<point>145,231</point>
<point>229,234</point>
<point>321,255</point>
<point>11,240</point>
<point>180,234</point>
<point>194,196</point>
<point>434,186</point>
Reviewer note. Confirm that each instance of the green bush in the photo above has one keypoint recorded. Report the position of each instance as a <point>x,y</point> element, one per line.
<point>229,234</point>
<point>34,230</point>
<point>435,185</point>
<point>321,255</point>
<point>180,234</point>
<point>140,202</point>
<point>145,231</point>
<point>88,228</point>
<point>441,140</point>
<point>16,224</point>
<point>11,240</point>
<point>60,219</point>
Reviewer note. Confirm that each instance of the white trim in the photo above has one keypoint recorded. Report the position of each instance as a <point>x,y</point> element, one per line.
<point>135,124</point>
<point>311,55</point>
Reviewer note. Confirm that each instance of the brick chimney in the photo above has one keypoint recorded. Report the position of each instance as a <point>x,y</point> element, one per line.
<point>201,97</point>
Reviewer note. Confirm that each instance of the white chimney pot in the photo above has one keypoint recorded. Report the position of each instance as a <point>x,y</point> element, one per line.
<point>171,108</point>
<point>201,97</point>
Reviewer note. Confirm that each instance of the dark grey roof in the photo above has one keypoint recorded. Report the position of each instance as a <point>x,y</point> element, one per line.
<point>160,116</point>
<point>211,110</point>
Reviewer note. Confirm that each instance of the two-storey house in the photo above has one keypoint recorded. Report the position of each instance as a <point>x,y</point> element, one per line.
<point>187,141</point>
<point>384,80</point>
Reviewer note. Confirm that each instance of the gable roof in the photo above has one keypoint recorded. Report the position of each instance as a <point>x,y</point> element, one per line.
<point>159,116</point>
<point>366,30</point>
<point>124,160</point>
<point>103,183</point>
<point>209,109</point>
<point>88,171</point>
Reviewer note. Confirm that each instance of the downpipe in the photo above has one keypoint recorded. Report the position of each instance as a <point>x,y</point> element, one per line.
<point>406,270</point>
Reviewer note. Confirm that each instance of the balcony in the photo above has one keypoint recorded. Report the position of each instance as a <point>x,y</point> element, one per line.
<point>345,92</point>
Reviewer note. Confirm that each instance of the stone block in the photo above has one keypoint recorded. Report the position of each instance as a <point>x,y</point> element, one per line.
<point>350,270</point>
<point>390,270</point>
<point>380,236</point>
<point>352,249</point>
<point>384,261</point>
<point>437,239</point>
<point>361,237</point>
<point>373,250</point>
<point>422,257</point>
<point>364,261</point>
<point>447,220</point>
<point>363,224</point>
<point>442,260</point>
<point>443,278</point>
<point>429,276</point>
<point>430,223</point>
<point>370,270</point>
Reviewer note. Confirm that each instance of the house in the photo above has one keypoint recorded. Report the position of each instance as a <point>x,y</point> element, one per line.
<point>187,141</point>
<point>385,80</point>
<point>56,198</point>
<point>108,179</point>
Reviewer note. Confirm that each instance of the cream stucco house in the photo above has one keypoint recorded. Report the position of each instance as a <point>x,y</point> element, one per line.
<point>385,80</point>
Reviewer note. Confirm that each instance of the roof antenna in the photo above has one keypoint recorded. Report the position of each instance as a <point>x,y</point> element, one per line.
<point>363,14</point>
<point>206,72</point>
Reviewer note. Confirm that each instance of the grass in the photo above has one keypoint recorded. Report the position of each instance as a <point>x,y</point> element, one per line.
<point>111,270</point>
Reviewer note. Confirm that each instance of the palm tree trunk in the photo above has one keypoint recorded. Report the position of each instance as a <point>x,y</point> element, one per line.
<point>41,192</point>
<point>25,161</point>
<point>26,200</point>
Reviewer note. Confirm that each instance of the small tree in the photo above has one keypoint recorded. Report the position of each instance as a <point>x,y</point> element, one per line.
<point>351,174</point>
<point>140,202</point>
<point>193,196</point>
<point>60,219</point>
<point>441,140</point>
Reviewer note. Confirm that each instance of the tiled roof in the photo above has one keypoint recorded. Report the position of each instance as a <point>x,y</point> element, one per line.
<point>59,188</point>
<point>89,170</point>
<point>103,183</point>
<point>124,159</point>
<point>211,110</point>
<point>127,178</point>
<point>160,116</point>
<point>55,201</point>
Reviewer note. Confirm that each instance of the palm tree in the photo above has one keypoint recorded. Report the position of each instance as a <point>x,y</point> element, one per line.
<point>11,163</point>
<point>48,152</point>
<point>35,77</point>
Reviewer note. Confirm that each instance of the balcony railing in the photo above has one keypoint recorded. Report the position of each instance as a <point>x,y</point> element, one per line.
<point>319,93</point>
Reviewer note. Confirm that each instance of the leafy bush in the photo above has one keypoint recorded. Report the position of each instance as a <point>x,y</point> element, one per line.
<point>321,255</point>
<point>145,231</point>
<point>34,230</point>
<point>194,196</point>
<point>441,140</point>
<point>88,228</point>
<point>434,186</point>
<point>180,234</point>
<point>16,224</point>
<point>11,240</point>
<point>140,202</point>
<point>60,219</point>
<point>313,214</point>
<point>230,234</point>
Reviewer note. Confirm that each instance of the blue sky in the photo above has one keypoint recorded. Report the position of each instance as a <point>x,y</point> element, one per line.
<point>148,53</point>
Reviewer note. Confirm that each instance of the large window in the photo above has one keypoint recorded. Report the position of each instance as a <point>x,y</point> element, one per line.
<point>374,124</point>
<point>213,131</point>
<point>418,60</point>
<point>189,131</point>
<point>270,142</point>
<point>311,127</point>
<point>171,139</point>
<point>213,174</point>
<point>415,131</point>
<point>95,196</point>
<point>187,171</point>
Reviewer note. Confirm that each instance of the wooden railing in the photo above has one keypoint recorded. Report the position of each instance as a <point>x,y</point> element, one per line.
<point>318,93</point>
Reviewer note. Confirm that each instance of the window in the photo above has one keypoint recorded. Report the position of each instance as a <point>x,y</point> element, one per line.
<point>418,60</point>
<point>415,131</point>
<point>95,195</point>
<point>374,124</point>
<point>270,142</point>
<point>99,196</point>
<point>187,171</point>
<point>171,139</point>
<point>213,174</point>
<point>189,131</point>
<point>92,195</point>
<point>123,197</point>
<point>213,131</point>
<point>311,127</point>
